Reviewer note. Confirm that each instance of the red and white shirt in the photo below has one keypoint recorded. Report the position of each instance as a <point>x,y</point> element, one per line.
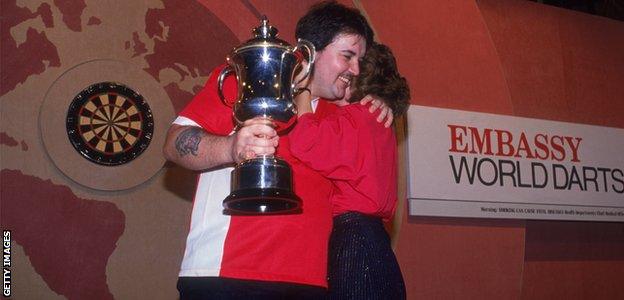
<point>286,248</point>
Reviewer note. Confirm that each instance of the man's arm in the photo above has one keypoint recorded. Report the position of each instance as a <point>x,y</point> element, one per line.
<point>303,101</point>
<point>193,148</point>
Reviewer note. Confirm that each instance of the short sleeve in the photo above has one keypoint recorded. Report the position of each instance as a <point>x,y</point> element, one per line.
<point>207,110</point>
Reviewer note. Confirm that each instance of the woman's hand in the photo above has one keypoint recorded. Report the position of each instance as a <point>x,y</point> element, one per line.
<point>303,95</point>
<point>385,113</point>
<point>299,80</point>
<point>303,101</point>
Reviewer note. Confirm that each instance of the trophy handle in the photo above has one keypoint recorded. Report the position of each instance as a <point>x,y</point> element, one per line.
<point>224,72</point>
<point>309,47</point>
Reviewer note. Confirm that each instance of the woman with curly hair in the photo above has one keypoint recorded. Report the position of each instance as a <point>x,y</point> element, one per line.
<point>347,145</point>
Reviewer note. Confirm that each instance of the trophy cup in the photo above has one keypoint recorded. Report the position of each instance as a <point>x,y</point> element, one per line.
<point>265,67</point>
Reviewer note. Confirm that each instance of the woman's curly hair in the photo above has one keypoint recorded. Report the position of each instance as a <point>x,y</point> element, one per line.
<point>379,77</point>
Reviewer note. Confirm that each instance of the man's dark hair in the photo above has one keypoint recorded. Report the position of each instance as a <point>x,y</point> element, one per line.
<point>325,20</point>
<point>380,77</point>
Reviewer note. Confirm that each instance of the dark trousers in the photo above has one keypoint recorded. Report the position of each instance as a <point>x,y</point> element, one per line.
<point>200,288</point>
<point>362,264</point>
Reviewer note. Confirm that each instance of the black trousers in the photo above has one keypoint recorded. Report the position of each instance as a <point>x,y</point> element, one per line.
<point>200,288</point>
<point>362,264</point>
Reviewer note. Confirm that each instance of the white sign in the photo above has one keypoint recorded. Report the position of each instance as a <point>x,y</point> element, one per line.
<point>467,164</point>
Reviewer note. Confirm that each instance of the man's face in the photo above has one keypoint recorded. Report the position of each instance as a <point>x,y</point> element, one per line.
<point>336,65</point>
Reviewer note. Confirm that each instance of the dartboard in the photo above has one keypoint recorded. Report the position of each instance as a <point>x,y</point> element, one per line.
<point>109,124</point>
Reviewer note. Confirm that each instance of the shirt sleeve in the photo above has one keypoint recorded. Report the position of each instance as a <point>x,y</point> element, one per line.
<point>208,111</point>
<point>332,146</point>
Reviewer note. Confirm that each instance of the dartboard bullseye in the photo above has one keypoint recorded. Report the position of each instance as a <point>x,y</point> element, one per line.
<point>109,124</point>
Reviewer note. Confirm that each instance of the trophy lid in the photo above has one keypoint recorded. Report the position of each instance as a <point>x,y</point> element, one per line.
<point>265,30</point>
<point>264,35</point>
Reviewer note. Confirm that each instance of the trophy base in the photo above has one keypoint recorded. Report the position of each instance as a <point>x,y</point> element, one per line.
<point>262,201</point>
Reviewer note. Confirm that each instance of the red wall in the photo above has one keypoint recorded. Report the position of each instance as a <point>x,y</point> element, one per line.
<point>515,58</point>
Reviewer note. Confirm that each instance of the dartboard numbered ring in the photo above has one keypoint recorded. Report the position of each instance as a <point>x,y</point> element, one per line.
<point>109,124</point>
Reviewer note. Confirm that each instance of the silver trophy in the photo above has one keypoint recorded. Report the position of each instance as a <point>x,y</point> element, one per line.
<point>265,67</point>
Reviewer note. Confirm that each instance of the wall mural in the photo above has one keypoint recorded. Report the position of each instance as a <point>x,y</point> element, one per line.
<point>42,44</point>
<point>88,91</point>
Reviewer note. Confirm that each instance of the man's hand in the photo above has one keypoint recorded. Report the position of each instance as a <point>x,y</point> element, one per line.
<point>385,113</point>
<point>255,137</point>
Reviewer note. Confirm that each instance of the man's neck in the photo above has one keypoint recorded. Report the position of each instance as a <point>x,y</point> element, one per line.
<point>340,102</point>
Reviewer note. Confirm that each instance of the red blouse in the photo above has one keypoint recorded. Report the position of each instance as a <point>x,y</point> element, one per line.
<point>353,150</point>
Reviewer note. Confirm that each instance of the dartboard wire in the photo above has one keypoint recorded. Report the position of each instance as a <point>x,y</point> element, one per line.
<point>120,133</point>
<point>123,125</point>
<point>119,101</point>
<point>122,114</point>
<point>93,121</point>
<point>103,98</point>
<point>114,112</point>
<point>107,111</point>
<point>98,131</point>
<point>113,135</point>
<point>106,134</point>
<point>99,113</point>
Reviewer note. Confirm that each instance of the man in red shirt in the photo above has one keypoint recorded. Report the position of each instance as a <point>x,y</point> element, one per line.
<point>262,257</point>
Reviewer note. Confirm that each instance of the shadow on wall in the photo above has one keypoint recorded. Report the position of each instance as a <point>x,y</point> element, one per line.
<point>574,241</point>
<point>463,222</point>
<point>552,240</point>
<point>180,181</point>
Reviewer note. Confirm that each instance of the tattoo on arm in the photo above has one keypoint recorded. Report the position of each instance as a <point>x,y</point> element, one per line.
<point>188,141</point>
